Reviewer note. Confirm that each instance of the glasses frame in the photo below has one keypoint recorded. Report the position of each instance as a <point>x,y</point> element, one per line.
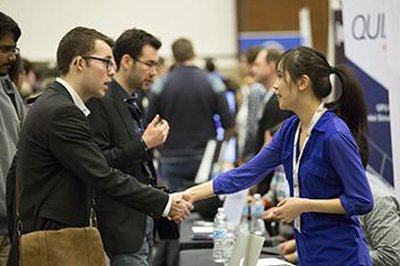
<point>10,49</point>
<point>108,62</point>
<point>150,65</point>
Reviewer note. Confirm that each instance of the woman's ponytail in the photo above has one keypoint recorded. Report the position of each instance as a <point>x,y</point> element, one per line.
<point>352,108</point>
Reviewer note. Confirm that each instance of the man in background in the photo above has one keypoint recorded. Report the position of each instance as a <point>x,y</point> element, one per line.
<point>12,113</point>
<point>270,116</point>
<point>253,103</point>
<point>188,99</point>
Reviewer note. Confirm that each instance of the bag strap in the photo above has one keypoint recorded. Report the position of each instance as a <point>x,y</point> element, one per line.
<point>92,212</point>
<point>18,199</point>
<point>18,196</point>
<point>19,227</point>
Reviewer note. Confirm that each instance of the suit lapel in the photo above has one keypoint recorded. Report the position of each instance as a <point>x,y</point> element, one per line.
<point>128,122</point>
<point>123,112</point>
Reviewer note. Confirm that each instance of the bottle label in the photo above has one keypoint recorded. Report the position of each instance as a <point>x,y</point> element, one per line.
<point>258,211</point>
<point>219,234</point>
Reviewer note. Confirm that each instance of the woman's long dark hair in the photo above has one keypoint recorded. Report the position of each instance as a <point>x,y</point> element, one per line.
<point>350,107</point>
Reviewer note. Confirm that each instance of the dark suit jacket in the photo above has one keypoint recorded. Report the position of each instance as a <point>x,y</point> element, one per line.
<point>118,136</point>
<point>59,161</point>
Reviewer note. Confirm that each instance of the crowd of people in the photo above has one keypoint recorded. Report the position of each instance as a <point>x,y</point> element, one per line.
<point>93,132</point>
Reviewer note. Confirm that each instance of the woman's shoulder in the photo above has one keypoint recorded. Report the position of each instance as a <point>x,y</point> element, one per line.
<point>333,124</point>
<point>289,123</point>
<point>336,132</point>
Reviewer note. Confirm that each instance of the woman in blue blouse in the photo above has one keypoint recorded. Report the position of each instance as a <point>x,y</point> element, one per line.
<point>319,148</point>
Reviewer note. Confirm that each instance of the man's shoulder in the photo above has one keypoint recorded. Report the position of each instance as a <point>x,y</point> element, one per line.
<point>55,96</point>
<point>111,97</point>
<point>187,72</point>
<point>54,102</point>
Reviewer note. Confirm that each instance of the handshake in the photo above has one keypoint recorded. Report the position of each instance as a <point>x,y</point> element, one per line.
<point>182,202</point>
<point>180,207</point>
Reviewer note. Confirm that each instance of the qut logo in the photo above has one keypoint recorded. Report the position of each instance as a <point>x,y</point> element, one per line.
<point>369,26</point>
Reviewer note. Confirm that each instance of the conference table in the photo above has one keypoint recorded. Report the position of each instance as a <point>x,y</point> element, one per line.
<point>199,252</point>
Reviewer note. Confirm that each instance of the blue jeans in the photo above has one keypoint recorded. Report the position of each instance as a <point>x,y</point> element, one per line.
<point>140,258</point>
<point>180,172</point>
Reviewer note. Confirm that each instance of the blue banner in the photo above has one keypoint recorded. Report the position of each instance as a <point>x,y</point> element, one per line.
<point>285,41</point>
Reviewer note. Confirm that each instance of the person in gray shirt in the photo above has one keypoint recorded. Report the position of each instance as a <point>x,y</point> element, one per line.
<point>12,112</point>
<point>381,228</point>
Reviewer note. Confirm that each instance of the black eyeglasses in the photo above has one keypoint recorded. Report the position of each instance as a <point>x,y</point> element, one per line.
<point>108,63</point>
<point>7,49</point>
<point>149,64</point>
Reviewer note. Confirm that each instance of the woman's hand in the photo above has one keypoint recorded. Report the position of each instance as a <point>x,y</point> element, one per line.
<point>289,209</point>
<point>269,214</point>
<point>287,247</point>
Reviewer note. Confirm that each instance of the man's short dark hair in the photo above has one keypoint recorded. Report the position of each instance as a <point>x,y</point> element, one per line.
<point>273,54</point>
<point>131,42</point>
<point>210,66</point>
<point>251,54</point>
<point>78,41</point>
<point>9,26</point>
<point>182,49</point>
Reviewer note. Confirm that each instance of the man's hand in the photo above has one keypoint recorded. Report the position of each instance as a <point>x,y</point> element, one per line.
<point>156,132</point>
<point>186,196</point>
<point>180,207</point>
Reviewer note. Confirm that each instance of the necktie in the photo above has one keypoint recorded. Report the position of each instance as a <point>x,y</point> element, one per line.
<point>135,110</point>
<point>136,113</point>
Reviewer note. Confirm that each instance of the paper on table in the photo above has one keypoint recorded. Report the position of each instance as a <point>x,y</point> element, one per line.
<point>239,250</point>
<point>202,229</point>
<point>254,249</point>
<point>247,250</point>
<point>233,206</point>
<point>273,262</point>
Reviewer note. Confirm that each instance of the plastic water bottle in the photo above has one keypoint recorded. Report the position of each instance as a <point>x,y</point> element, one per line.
<point>229,243</point>
<point>245,223</point>
<point>258,222</point>
<point>220,228</point>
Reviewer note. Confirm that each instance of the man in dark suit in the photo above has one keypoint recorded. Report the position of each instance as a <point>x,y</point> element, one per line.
<point>117,124</point>
<point>58,161</point>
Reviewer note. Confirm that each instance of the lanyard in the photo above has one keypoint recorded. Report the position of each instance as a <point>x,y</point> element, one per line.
<point>296,163</point>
